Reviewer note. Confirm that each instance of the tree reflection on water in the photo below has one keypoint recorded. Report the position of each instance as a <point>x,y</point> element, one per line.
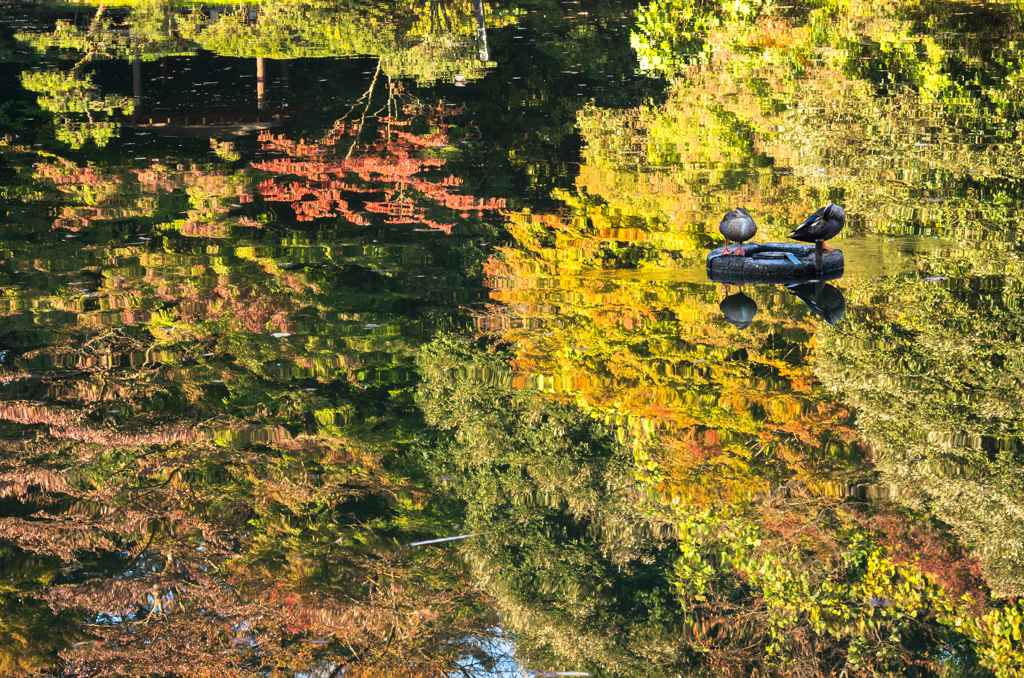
<point>375,339</point>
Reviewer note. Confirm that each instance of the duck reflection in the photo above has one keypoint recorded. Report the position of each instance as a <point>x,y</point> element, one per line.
<point>739,309</point>
<point>822,298</point>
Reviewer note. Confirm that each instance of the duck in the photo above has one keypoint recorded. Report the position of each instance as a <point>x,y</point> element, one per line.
<point>739,227</point>
<point>823,225</point>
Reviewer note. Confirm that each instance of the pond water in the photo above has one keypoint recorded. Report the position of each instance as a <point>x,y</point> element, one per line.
<point>376,339</point>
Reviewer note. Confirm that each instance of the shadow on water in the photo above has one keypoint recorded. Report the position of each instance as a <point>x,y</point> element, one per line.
<point>739,310</point>
<point>824,300</point>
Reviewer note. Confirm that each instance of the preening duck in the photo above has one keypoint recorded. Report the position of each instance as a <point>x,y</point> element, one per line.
<point>823,225</point>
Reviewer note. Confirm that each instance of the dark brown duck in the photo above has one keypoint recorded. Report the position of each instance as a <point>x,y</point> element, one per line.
<point>823,225</point>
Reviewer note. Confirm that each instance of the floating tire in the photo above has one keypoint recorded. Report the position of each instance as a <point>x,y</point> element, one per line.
<point>773,262</point>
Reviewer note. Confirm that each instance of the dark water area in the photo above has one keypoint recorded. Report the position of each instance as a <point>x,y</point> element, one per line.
<point>377,339</point>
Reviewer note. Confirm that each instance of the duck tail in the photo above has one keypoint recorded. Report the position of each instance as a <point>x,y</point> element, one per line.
<point>801,229</point>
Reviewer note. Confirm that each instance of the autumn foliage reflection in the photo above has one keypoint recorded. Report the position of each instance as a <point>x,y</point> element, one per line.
<point>660,361</point>
<point>205,431</point>
<point>393,164</point>
<point>797,555</point>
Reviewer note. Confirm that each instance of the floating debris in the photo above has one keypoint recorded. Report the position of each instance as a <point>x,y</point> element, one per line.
<point>438,541</point>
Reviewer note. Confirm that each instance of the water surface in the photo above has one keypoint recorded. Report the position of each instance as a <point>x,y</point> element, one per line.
<point>369,339</point>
